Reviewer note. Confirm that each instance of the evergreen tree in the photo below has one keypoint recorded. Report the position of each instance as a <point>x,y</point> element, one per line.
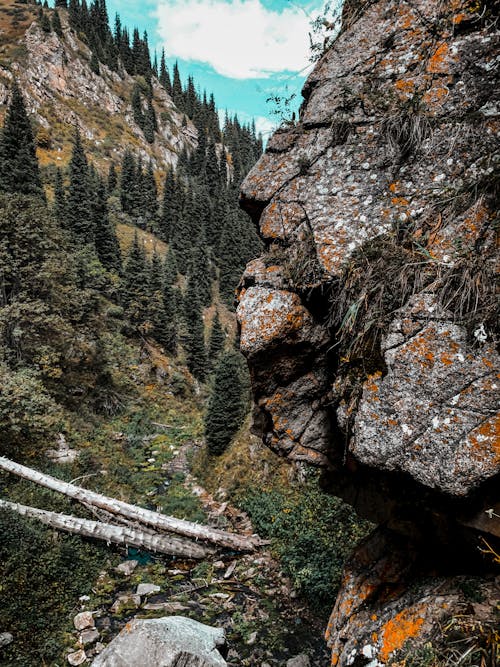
<point>59,199</point>
<point>200,271</point>
<point>19,172</point>
<point>94,63</point>
<point>168,206</point>
<point>150,195</point>
<point>44,21</point>
<point>137,107</point>
<point>61,3</point>
<point>227,404</point>
<point>170,304</point>
<point>195,342</point>
<point>56,23</point>
<point>177,93</point>
<point>150,123</point>
<point>164,75</point>
<point>217,340</point>
<point>112,178</point>
<point>106,242</point>
<point>127,183</point>
<point>79,215</point>
<point>135,284</point>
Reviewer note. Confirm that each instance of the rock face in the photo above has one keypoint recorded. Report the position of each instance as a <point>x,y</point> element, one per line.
<point>370,323</point>
<point>165,642</point>
<point>63,92</point>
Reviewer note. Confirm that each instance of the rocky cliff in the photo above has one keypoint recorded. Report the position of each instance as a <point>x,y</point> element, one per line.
<point>63,91</point>
<point>370,322</point>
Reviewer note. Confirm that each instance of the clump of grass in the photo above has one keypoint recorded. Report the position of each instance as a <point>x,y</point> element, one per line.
<point>378,280</point>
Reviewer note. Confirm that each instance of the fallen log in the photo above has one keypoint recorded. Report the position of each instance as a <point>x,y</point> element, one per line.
<point>123,535</point>
<point>156,520</point>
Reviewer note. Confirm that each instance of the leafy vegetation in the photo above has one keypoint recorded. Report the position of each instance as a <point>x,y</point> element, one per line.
<point>312,534</point>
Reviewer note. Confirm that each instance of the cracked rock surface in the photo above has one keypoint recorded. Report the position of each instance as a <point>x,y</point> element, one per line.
<point>370,323</point>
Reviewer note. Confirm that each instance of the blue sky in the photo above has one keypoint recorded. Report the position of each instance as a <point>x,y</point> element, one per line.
<point>243,51</point>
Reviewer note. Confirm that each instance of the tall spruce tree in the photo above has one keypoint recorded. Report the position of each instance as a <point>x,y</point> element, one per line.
<point>59,198</point>
<point>79,214</point>
<point>169,336</point>
<point>195,341</point>
<point>227,404</point>
<point>106,242</point>
<point>217,340</point>
<point>19,171</point>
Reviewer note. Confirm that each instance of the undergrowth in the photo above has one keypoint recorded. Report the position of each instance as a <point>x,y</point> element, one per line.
<point>312,533</point>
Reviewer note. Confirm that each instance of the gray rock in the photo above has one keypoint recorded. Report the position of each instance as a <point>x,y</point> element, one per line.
<point>147,589</point>
<point>127,567</point>
<point>84,619</point>
<point>125,602</point>
<point>301,660</point>
<point>89,636</point>
<point>165,642</point>
<point>5,639</point>
<point>77,658</point>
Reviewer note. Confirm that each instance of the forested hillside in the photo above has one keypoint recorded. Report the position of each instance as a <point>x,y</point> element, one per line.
<point>121,245</point>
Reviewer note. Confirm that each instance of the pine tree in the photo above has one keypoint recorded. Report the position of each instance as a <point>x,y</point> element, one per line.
<point>137,107</point>
<point>127,183</point>
<point>59,199</point>
<point>56,23</point>
<point>44,22</point>
<point>217,340</point>
<point>150,195</point>
<point>200,271</point>
<point>177,93</point>
<point>106,242</point>
<point>195,343</point>
<point>164,75</point>
<point>150,123</point>
<point>94,63</point>
<point>112,178</point>
<point>61,3</point>
<point>135,284</point>
<point>19,172</point>
<point>227,404</point>
<point>79,201</point>
<point>170,306</point>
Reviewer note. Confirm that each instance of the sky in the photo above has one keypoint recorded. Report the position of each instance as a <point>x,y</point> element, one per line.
<point>242,51</point>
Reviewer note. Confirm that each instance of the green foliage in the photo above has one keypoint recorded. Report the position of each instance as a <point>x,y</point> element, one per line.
<point>43,574</point>
<point>228,403</point>
<point>217,340</point>
<point>28,414</point>
<point>19,172</point>
<point>311,532</point>
<point>79,218</point>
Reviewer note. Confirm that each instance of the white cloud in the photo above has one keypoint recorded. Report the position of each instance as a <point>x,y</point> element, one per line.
<point>241,39</point>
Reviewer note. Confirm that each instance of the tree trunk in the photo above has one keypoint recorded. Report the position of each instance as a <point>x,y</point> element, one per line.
<point>124,535</point>
<point>134,513</point>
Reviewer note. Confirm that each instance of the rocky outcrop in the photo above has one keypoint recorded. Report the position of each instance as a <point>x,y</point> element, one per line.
<point>370,323</point>
<point>62,91</point>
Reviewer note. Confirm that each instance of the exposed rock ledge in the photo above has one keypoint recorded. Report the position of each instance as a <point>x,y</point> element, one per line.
<point>370,322</point>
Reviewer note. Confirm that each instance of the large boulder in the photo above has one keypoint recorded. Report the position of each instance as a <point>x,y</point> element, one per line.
<point>370,323</point>
<point>174,641</point>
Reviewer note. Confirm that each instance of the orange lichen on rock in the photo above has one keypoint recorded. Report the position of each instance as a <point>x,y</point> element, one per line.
<point>405,625</point>
<point>438,62</point>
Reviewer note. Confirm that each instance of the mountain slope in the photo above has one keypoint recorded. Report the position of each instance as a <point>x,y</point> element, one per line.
<point>63,91</point>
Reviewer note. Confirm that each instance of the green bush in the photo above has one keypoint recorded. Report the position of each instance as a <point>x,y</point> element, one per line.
<point>43,575</point>
<point>311,532</point>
